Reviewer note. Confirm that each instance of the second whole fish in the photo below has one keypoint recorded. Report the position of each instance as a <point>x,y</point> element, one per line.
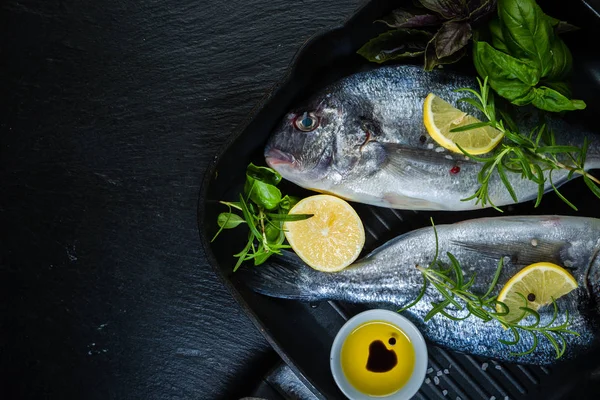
<point>363,139</point>
<point>387,277</point>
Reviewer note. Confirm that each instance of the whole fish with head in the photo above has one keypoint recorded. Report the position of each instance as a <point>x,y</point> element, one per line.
<point>363,139</point>
<point>387,277</point>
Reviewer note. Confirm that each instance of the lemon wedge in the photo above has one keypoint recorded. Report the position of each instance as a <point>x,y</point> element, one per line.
<point>440,117</point>
<point>332,238</point>
<point>538,283</point>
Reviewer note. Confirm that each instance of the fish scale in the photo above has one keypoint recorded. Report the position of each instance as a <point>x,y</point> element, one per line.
<point>387,278</point>
<point>368,144</point>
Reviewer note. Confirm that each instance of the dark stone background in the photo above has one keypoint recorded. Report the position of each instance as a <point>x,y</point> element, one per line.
<point>110,113</point>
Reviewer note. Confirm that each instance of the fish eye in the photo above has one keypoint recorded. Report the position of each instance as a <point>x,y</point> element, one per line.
<point>306,122</point>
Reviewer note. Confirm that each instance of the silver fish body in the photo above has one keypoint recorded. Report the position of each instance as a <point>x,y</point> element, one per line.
<point>368,144</point>
<point>387,277</point>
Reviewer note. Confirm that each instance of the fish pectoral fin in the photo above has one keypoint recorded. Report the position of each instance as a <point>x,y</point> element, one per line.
<point>397,200</point>
<point>402,160</point>
<point>520,253</point>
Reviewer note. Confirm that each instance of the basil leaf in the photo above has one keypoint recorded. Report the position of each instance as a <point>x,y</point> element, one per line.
<point>406,19</point>
<point>561,87</point>
<point>500,66</point>
<point>448,9</point>
<point>451,37</point>
<point>263,174</point>
<point>288,202</point>
<point>497,38</point>
<point>550,100</point>
<point>271,232</point>
<point>527,32</point>
<point>261,193</point>
<point>562,61</point>
<point>229,220</point>
<point>392,45</point>
<point>481,9</point>
<point>432,60</point>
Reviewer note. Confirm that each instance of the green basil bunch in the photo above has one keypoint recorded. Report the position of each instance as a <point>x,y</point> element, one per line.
<point>525,60</point>
<point>264,210</point>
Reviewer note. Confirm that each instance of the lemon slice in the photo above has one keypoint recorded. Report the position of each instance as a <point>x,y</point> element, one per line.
<point>441,117</point>
<point>538,283</point>
<point>332,238</point>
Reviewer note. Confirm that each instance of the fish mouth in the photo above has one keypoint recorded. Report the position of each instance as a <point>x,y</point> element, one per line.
<point>276,157</point>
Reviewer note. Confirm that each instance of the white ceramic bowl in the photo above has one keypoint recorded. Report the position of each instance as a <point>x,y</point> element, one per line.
<point>416,379</point>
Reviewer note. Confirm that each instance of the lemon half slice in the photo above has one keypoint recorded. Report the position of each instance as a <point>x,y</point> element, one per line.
<point>332,238</point>
<point>441,117</point>
<point>539,283</point>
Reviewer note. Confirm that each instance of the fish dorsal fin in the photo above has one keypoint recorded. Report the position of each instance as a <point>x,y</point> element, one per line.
<point>520,253</point>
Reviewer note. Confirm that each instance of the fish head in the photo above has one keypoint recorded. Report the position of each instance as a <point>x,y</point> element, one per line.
<point>321,144</point>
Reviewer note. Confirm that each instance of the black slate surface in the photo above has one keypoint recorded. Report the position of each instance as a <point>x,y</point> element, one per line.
<point>110,113</point>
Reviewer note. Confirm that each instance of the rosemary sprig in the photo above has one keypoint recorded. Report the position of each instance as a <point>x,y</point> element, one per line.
<point>454,289</point>
<point>535,155</point>
<point>264,210</point>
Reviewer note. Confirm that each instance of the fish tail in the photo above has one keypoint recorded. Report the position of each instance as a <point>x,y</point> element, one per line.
<point>284,276</point>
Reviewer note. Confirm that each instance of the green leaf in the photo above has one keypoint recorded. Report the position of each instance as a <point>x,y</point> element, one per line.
<point>506,183</point>
<point>527,32</point>
<point>516,338</point>
<point>288,217</point>
<point>457,270</point>
<point>451,37</point>
<point>419,297</point>
<point>551,100</point>
<point>583,154</point>
<point>562,61</point>
<point>495,278</point>
<point>437,307</point>
<point>263,174</point>
<point>469,127</point>
<point>497,37</point>
<point>501,67</point>
<point>229,220</point>
<point>264,194</point>
<point>561,87</point>
<point>592,185</point>
<point>559,194</point>
<point>234,204</point>
<point>472,102</point>
<point>396,44</point>
<point>541,184</point>
<point>287,202</point>
<point>557,149</point>
<point>272,233</point>
<point>531,349</point>
<point>249,219</point>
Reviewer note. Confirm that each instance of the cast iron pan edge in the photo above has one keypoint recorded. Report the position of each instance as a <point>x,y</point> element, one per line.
<point>210,171</point>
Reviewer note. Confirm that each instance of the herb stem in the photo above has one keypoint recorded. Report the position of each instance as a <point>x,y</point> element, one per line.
<point>455,290</point>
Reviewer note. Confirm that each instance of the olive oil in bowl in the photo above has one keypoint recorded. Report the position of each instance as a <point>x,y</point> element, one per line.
<point>379,354</point>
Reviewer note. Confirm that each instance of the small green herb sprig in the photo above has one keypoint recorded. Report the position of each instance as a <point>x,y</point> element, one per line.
<point>454,287</point>
<point>264,210</point>
<point>534,156</point>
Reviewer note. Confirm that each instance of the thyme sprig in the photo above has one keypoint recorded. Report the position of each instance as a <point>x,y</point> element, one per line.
<point>460,303</point>
<point>535,155</point>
